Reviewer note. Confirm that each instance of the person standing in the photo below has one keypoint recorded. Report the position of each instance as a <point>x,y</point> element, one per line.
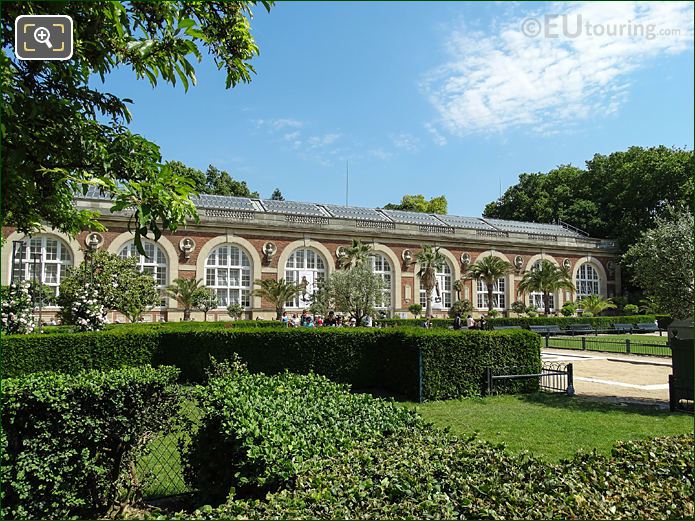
<point>457,321</point>
<point>285,319</point>
<point>470,322</point>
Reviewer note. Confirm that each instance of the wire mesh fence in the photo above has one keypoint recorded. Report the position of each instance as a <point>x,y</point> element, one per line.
<point>160,469</point>
<point>653,346</point>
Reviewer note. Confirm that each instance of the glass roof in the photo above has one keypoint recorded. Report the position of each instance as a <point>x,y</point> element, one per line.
<point>364,214</point>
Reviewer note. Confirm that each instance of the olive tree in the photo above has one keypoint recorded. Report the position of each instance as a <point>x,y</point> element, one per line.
<point>353,291</point>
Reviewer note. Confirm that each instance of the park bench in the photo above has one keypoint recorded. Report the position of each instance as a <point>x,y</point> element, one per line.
<point>622,328</point>
<point>581,328</point>
<point>498,328</point>
<point>646,327</point>
<point>546,330</point>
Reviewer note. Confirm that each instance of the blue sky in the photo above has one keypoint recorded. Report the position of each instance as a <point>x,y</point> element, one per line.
<point>435,98</point>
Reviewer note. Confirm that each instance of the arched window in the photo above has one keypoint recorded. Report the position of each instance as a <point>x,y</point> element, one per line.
<point>499,298</point>
<point>154,262</point>
<point>45,259</point>
<point>587,281</point>
<point>228,273</point>
<point>382,267</point>
<point>536,297</point>
<point>441,294</point>
<point>306,268</point>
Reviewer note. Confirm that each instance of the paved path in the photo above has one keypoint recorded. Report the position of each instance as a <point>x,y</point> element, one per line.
<point>617,377</point>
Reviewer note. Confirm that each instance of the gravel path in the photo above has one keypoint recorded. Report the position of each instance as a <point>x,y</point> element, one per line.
<point>619,377</point>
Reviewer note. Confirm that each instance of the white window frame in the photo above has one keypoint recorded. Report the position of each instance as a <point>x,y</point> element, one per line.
<point>587,281</point>
<point>304,262</point>
<point>53,264</point>
<point>499,294</point>
<point>381,266</point>
<point>228,272</point>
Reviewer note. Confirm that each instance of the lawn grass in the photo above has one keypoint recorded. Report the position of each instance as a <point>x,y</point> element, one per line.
<point>639,344</point>
<point>552,426</point>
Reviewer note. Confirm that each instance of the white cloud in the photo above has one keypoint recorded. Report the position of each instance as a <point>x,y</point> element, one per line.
<point>437,137</point>
<point>505,80</point>
<point>322,141</point>
<point>405,141</point>
<point>380,153</point>
<point>278,123</point>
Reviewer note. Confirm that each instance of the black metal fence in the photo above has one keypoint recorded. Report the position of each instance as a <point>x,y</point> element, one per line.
<point>554,377</point>
<point>608,344</point>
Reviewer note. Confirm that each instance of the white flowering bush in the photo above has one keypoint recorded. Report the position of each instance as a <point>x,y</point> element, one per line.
<point>17,308</point>
<point>86,312</point>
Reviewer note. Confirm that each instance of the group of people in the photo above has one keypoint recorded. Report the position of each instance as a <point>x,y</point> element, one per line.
<point>331,320</point>
<point>471,323</point>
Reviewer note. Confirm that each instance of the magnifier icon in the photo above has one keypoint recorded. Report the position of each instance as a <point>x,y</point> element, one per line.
<point>42,35</point>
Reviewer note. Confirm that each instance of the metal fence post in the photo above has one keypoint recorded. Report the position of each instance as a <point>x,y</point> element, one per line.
<point>547,336</point>
<point>488,378</point>
<point>583,343</point>
<point>627,346</point>
<point>570,380</point>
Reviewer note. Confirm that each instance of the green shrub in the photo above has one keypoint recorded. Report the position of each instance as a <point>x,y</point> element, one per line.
<point>525,322</point>
<point>427,475</point>
<point>257,432</point>
<point>631,309</point>
<point>453,362</point>
<point>460,306</point>
<point>68,440</point>
<point>74,352</point>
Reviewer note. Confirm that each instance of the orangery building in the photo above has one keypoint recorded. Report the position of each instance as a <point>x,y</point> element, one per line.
<point>239,240</point>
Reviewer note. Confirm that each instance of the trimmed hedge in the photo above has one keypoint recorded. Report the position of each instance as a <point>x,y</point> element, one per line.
<point>429,475</point>
<point>68,440</point>
<point>452,362</point>
<point>525,322</point>
<point>257,432</point>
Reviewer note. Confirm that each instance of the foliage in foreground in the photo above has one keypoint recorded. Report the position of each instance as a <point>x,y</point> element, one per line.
<point>258,433</point>
<point>69,441</point>
<point>81,136</point>
<point>429,475</point>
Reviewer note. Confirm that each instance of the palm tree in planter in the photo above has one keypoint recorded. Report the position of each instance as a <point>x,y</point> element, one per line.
<point>430,260</point>
<point>277,292</point>
<point>595,304</point>
<point>546,278</point>
<point>355,255</point>
<point>489,269</point>
<point>184,291</point>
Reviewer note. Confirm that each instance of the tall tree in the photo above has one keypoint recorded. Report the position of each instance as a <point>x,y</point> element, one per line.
<point>430,260</point>
<point>220,182</point>
<point>489,269</point>
<point>355,255</point>
<point>277,292</point>
<point>546,278</point>
<point>61,134</point>
<point>662,263</point>
<point>418,203</point>
<point>277,195</point>
<point>616,196</point>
